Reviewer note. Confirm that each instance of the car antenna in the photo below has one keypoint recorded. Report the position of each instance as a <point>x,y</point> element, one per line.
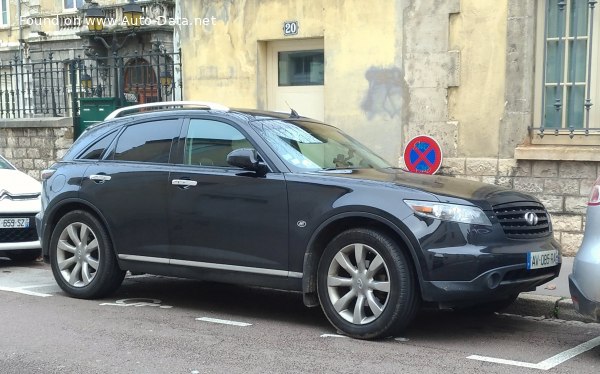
<point>293,114</point>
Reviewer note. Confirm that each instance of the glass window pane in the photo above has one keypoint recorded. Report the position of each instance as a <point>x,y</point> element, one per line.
<point>577,60</point>
<point>147,142</point>
<point>95,151</point>
<point>68,4</point>
<point>301,68</point>
<point>575,109</point>
<point>209,142</point>
<point>551,115</point>
<point>555,19</point>
<point>579,18</point>
<point>553,62</point>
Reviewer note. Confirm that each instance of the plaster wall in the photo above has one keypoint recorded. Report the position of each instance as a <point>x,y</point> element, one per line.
<point>478,32</point>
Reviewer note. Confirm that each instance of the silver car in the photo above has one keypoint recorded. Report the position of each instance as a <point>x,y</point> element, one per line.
<point>584,282</point>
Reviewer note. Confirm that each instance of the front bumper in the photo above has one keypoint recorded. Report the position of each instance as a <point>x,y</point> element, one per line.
<point>496,284</point>
<point>20,246</point>
<point>582,303</point>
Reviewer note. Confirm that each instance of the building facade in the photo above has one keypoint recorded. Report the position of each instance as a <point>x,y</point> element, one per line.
<point>507,87</point>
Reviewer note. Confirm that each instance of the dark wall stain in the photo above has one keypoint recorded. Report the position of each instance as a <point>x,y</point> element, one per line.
<point>385,94</point>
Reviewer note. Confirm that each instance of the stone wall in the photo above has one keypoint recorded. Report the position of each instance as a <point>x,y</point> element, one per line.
<point>34,144</point>
<point>562,186</point>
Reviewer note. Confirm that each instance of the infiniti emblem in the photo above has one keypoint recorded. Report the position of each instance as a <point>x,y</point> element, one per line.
<point>531,218</point>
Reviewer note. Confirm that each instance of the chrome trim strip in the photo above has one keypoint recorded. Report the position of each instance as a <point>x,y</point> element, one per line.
<point>210,265</point>
<point>156,260</point>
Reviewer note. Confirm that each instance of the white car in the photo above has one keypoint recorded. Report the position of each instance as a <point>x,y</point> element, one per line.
<point>19,203</point>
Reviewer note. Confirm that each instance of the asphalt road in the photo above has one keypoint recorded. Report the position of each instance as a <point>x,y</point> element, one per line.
<point>165,325</point>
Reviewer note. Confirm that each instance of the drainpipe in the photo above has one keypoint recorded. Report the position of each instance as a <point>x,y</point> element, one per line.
<point>20,30</point>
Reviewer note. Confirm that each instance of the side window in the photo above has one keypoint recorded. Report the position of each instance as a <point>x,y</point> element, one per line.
<point>94,152</point>
<point>209,142</point>
<point>147,142</point>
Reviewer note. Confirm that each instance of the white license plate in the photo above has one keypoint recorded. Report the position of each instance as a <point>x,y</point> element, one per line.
<point>543,259</point>
<point>14,223</point>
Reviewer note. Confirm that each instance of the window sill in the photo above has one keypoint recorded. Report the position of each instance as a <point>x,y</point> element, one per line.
<point>564,138</point>
<point>552,152</point>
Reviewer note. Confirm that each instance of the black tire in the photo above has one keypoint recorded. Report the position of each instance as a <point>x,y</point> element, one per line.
<point>396,307</point>
<point>87,282</point>
<point>25,256</point>
<point>490,307</point>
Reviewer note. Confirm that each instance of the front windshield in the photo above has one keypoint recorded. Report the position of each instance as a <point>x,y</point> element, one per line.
<point>307,145</point>
<point>4,164</point>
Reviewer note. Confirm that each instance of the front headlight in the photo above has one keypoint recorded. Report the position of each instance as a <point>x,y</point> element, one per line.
<point>449,212</point>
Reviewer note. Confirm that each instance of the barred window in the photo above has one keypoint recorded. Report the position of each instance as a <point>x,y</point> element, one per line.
<point>568,74</point>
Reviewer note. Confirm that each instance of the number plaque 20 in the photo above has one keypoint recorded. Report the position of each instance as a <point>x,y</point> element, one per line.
<point>290,28</point>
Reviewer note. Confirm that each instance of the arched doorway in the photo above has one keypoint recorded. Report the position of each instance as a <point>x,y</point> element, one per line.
<point>140,79</point>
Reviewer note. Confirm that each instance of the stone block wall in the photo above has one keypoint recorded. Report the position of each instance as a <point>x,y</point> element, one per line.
<point>562,186</point>
<point>34,144</point>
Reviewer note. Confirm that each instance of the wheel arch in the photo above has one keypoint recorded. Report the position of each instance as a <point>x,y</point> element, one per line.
<point>59,210</point>
<point>334,226</point>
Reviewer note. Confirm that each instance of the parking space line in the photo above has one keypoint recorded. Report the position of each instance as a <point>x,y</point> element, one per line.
<point>548,363</point>
<point>24,292</point>
<point>38,286</point>
<point>333,336</point>
<point>223,321</point>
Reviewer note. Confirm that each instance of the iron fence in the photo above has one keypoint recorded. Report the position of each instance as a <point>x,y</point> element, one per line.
<point>52,88</point>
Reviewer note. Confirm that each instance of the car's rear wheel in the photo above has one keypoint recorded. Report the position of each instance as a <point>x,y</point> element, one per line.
<point>82,258</point>
<point>366,285</point>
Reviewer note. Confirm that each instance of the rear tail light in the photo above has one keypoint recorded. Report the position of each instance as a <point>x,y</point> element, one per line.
<point>46,174</point>
<point>595,194</point>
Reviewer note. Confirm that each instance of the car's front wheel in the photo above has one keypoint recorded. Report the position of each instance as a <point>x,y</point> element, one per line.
<point>82,258</point>
<point>366,285</point>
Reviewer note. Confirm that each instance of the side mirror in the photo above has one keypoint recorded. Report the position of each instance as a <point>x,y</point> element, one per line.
<point>246,158</point>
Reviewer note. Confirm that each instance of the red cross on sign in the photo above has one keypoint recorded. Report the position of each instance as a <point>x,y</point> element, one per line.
<point>423,155</point>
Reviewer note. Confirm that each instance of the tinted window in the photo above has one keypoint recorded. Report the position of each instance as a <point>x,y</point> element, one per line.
<point>95,151</point>
<point>209,142</point>
<point>147,142</point>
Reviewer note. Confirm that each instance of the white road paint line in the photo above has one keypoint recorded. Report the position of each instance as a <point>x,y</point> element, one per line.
<point>333,336</point>
<point>401,339</point>
<point>38,286</point>
<point>548,363</point>
<point>569,354</point>
<point>223,321</point>
<point>504,362</point>
<point>24,292</point>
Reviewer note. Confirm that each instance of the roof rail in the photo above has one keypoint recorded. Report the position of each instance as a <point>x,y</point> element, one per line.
<point>166,104</point>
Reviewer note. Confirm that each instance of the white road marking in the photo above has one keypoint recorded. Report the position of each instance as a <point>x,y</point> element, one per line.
<point>38,286</point>
<point>138,303</point>
<point>24,292</point>
<point>223,321</point>
<point>401,339</point>
<point>548,363</point>
<point>333,336</point>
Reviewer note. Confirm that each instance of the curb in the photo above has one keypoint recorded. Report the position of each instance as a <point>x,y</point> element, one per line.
<point>549,307</point>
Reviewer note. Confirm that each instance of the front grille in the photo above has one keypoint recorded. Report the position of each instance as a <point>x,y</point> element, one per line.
<point>19,235</point>
<point>512,219</point>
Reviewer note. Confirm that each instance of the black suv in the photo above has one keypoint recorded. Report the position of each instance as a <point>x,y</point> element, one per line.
<point>268,199</point>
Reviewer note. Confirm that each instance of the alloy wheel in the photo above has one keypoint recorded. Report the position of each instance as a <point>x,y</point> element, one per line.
<point>358,283</point>
<point>78,254</point>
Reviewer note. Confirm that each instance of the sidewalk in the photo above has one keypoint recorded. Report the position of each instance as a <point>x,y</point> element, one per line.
<point>550,300</point>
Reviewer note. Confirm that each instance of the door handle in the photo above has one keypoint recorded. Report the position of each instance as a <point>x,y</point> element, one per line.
<point>185,183</point>
<point>100,178</point>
